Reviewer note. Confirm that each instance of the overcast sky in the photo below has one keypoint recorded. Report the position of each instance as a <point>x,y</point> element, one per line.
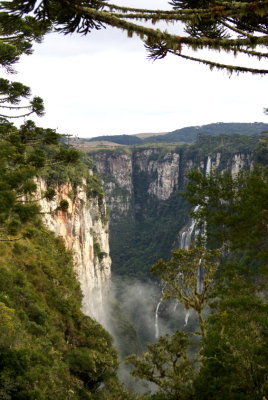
<point>103,84</point>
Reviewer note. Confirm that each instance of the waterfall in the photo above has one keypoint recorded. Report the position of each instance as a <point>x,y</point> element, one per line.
<point>156,324</point>
<point>175,306</point>
<point>156,319</point>
<point>187,315</point>
<point>208,166</point>
<point>187,232</point>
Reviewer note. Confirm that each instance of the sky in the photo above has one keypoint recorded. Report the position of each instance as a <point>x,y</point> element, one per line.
<point>104,84</point>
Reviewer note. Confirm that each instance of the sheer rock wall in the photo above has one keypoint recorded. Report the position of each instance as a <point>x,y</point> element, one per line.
<point>84,229</point>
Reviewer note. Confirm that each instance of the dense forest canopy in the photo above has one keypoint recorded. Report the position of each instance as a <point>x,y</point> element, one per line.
<point>233,27</point>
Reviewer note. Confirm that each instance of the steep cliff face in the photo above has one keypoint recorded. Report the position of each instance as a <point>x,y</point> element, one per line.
<point>84,229</point>
<point>121,171</point>
<point>142,187</point>
<point>163,172</point>
<point>116,170</point>
<point>240,161</point>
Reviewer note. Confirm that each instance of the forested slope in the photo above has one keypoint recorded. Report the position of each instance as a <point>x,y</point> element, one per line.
<point>48,348</point>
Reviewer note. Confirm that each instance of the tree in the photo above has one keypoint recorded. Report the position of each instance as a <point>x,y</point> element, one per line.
<point>11,93</point>
<point>234,27</point>
<point>16,37</point>
<point>234,351</point>
<point>235,345</point>
<point>232,355</point>
<point>235,208</point>
<point>167,365</point>
<point>187,277</point>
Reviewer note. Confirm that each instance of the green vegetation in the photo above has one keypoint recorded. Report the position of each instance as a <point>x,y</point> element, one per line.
<point>226,358</point>
<point>25,152</point>
<point>126,337</point>
<point>138,240</point>
<point>17,34</point>
<point>48,348</point>
<point>13,93</point>
<point>94,187</point>
<point>97,250</point>
<point>227,145</point>
<point>180,277</point>
<point>167,365</point>
<point>237,218</point>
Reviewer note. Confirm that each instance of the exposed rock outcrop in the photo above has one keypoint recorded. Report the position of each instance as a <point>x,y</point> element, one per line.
<point>84,229</point>
<point>116,171</point>
<point>240,161</point>
<point>163,172</point>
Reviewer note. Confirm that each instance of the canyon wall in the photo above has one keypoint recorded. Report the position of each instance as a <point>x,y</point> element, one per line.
<point>84,229</point>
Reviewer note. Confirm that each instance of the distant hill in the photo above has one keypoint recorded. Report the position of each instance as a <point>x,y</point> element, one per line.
<point>189,134</point>
<point>126,140</point>
<point>148,134</point>
<point>183,135</point>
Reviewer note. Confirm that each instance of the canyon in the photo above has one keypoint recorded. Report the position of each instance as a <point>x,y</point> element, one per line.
<point>148,218</point>
<point>144,187</point>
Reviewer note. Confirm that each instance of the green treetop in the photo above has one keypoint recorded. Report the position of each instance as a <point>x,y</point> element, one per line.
<point>180,277</point>
<point>16,37</point>
<point>11,94</point>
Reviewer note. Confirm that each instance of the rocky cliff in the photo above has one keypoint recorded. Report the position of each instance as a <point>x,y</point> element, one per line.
<point>142,187</point>
<point>84,229</point>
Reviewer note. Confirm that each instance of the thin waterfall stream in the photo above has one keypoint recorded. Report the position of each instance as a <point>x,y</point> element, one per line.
<point>187,315</point>
<point>156,323</point>
<point>156,320</point>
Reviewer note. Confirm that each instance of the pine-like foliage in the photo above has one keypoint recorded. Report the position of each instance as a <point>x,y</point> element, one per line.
<point>226,26</point>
